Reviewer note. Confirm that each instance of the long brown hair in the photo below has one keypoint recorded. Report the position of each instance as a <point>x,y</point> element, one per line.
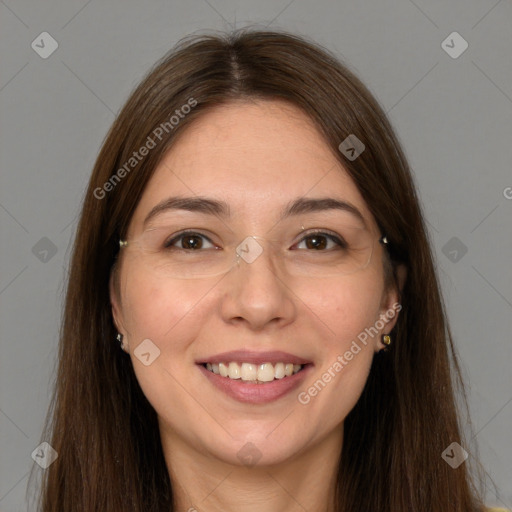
<point>100,423</point>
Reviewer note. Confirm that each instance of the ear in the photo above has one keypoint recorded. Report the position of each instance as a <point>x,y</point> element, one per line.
<point>391,306</point>
<point>115,302</point>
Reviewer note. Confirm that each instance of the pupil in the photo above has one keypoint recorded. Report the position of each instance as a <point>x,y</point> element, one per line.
<point>192,242</point>
<point>316,242</point>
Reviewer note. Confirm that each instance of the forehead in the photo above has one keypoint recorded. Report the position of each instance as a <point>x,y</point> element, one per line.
<point>254,155</point>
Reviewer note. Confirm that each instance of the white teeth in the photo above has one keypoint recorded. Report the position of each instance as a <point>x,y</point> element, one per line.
<point>233,371</point>
<point>265,372</point>
<point>223,369</point>
<point>279,370</point>
<point>248,371</point>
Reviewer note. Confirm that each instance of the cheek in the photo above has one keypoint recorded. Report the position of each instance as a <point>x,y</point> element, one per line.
<point>346,305</point>
<point>154,309</point>
<point>170,316</point>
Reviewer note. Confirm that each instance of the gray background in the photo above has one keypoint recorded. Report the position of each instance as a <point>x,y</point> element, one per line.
<point>453,116</point>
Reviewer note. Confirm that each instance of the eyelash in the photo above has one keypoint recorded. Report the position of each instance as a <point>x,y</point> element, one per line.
<point>329,234</point>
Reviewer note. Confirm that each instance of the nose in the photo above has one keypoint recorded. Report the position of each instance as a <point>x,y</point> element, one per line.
<point>257,295</point>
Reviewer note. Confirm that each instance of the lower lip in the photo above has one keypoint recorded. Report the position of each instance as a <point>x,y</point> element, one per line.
<point>252,393</point>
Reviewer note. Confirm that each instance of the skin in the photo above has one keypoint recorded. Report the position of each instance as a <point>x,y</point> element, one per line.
<point>256,156</point>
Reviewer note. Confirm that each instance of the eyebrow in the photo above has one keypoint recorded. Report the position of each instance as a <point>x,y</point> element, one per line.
<point>210,206</point>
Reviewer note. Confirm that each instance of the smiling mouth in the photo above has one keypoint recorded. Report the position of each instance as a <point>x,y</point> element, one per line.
<point>254,373</point>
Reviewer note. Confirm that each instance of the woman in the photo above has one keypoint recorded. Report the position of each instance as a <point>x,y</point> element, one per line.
<point>253,319</point>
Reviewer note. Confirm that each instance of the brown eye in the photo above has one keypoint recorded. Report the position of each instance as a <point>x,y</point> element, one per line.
<point>192,242</point>
<point>189,241</point>
<point>316,242</point>
<point>321,242</point>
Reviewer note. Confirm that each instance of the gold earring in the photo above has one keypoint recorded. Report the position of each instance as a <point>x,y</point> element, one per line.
<point>386,339</point>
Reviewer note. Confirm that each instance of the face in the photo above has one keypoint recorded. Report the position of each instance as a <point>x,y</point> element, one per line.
<point>255,159</point>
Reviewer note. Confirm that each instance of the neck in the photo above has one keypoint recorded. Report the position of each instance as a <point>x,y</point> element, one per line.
<point>202,482</point>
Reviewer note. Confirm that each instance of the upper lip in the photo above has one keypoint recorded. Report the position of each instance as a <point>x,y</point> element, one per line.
<point>247,356</point>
